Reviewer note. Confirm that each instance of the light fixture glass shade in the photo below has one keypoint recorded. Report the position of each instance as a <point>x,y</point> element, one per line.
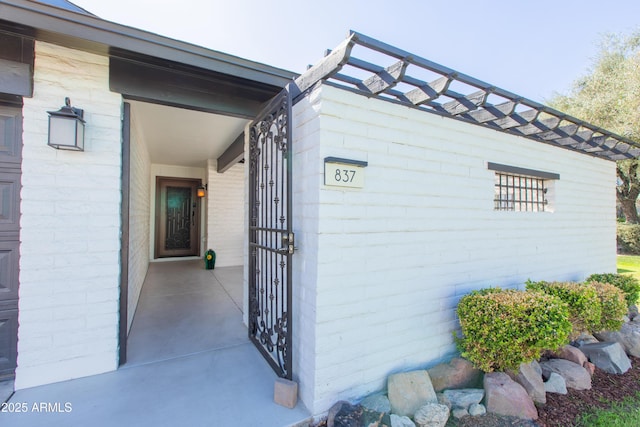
<point>66,128</point>
<point>200,192</point>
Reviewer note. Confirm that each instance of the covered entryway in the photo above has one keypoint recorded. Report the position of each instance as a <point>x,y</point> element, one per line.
<point>185,123</point>
<point>174,306</point>
<point>155,107</point>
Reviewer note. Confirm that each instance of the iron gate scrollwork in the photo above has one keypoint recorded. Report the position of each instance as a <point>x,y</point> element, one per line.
<point>271,242</point>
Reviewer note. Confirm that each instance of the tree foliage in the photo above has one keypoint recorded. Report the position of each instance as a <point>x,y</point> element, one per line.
<point>609,97</point>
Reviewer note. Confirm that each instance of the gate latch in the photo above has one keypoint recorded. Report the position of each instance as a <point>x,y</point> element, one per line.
<point>288,241</point>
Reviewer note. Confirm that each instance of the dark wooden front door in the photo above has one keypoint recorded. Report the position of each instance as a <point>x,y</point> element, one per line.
<point>177,217</point>
<point>10,173</point>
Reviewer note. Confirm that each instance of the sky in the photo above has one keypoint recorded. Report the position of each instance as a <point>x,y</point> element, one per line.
<point>533,48</point>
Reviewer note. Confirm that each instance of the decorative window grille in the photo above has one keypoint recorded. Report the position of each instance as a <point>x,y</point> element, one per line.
<point>522,190</point>
<point>519,193</point>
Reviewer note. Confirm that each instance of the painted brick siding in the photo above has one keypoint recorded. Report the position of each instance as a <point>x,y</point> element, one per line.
<point>381,269</point>
<point>226,208</point>
<point>70,225</point>
<point>139,221</point>
<point>306,194</point>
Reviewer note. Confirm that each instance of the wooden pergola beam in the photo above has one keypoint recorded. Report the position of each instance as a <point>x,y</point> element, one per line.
<point>232,155</point>
<point>450,93</point>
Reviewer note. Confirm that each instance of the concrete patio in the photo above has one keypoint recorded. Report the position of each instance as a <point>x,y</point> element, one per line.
<point>190,363</point>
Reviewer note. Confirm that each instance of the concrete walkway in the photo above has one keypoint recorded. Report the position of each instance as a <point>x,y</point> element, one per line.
<point>185,309</point>
<point>200,371</point>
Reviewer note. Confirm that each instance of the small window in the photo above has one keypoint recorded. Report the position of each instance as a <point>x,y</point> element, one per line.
<point>521,190</point>
<point>519,193</point>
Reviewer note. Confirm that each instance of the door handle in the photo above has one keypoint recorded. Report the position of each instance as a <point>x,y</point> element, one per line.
<point>288,240</point>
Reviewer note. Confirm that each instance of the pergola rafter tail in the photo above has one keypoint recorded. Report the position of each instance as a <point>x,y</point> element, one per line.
<point>450,93</point>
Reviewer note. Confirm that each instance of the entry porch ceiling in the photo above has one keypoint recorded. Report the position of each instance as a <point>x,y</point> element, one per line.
<point>181,137</point>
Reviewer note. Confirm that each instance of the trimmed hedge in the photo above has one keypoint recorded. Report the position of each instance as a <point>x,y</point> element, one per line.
<point>585,311</point>
<point>628,238</point>
<point>504,328</point>
<point>628,284</point>
<point>614,306</point>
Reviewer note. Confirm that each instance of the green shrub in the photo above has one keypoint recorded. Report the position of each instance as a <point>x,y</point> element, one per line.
<point>584,306</point>
<point>503,328</point>
<point>628,238</point>
<point>628,284</point>
<point>613,304</point>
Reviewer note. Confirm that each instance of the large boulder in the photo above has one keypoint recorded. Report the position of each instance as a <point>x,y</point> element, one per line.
<point>608,356</point>
<point>575,376</point>
<point>431,415</point>
<point>463,398</point>
<point>409,391</point>
<point>555,384</point>
<point>585,338</point>
<point>458,373</point>
<point>503,396</point>
<point>529,376</point>
<point>628,336</point>
<point>571,353</point>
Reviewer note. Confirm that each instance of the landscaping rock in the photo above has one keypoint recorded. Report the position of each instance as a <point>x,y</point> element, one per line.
<point>409,391</point>
<point>343,414</point>
<point>633,311</point>
<point>585,338</point>
<point>571,353</point>
<point>465,397</point>
<point>459,373</point>
<point>575,376</point>
<point>529,376</point>
<point>555,384</point>
<point>628,336</point>
<point>340,409</point>
<point>431,415</point>
<point>477,409</point>
<point>377,402</point>
<point>459,413</point>
<point>608,356</point>
<point>590,367</point>
<point>398,421</point>
<point>443,400</point>
<point>503,396</point>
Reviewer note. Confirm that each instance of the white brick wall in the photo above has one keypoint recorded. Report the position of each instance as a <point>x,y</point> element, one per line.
<point>70,225</point>
<point>225,222</point>
<point>139,212</point>
<point>380,269</point>
<point>306,194</point>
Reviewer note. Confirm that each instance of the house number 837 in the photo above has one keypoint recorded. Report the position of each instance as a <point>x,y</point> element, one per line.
<point>344,175</point>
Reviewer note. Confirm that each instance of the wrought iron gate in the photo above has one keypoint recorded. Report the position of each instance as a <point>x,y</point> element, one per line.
<point>271,240</point>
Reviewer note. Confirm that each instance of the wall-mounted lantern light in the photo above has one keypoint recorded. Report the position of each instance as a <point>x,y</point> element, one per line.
<point>66,128</point>
<point>201,191</point>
